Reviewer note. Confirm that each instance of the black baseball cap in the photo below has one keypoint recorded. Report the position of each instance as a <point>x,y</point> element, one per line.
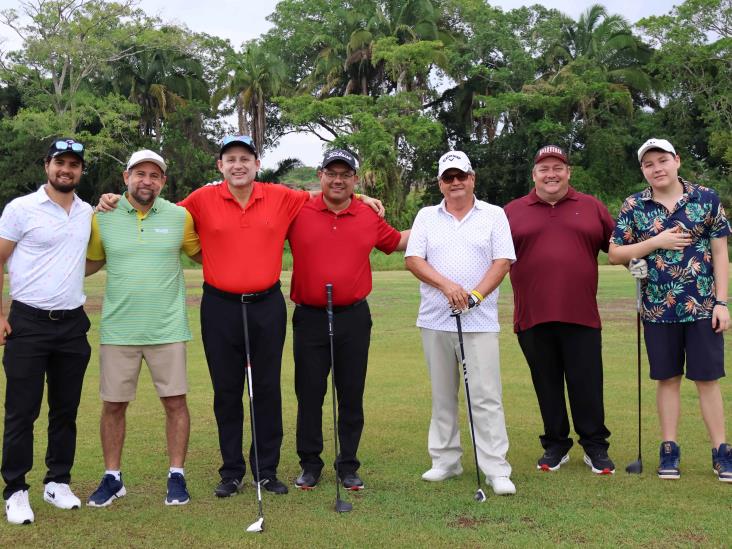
<point>339,155</point>
<point>65,145</point>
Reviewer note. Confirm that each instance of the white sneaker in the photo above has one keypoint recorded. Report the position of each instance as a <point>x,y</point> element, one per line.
<point>18,509</point>
<point>437,475</point>
<point>61,496</point>
<point>502,486</point>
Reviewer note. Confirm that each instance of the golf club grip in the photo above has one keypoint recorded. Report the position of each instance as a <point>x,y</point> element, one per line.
<point>329,308</point>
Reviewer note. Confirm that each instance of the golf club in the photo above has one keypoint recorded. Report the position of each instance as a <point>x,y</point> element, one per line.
<point>257,525</point>
<point>479,494</point>
<point>636,468</point>
<point>340,505</point>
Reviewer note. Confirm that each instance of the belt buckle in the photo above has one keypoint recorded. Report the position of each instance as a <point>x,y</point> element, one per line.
<point>50,315</point>
<point>246,297</point>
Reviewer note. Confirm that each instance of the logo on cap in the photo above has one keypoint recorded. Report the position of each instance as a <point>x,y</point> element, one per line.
<point>550,151</point>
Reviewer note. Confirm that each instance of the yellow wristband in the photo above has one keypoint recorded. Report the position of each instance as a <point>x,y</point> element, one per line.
<point>477,294</point>
<point>357,196</point>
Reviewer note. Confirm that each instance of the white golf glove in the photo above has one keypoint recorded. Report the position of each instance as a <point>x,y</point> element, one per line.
<point>638,268</point>
<point>472,303</point>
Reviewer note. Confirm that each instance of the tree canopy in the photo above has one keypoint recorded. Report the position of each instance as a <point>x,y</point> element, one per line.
<point>397,82</point>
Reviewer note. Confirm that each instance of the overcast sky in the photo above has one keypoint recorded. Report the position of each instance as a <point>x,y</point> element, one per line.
<point>242,20</point>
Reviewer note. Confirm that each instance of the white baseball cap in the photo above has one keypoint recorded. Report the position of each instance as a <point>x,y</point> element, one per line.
<point>454,159</point>
<point>146,155</point>
<point>653,143</point>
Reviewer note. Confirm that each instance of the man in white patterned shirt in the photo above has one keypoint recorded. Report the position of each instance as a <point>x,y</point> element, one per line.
<point>461,250</point>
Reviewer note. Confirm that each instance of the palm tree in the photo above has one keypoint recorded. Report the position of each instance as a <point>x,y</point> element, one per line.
<point>277,174</point>
<point>255,75</point>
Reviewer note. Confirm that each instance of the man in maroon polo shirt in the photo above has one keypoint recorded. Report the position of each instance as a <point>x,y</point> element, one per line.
<point>557,233</point>
<point>331,240</point>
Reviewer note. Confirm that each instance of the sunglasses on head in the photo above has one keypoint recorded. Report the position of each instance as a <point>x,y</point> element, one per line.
<point>461,176</point>
<point>238,138</point>
<point>68,146</point>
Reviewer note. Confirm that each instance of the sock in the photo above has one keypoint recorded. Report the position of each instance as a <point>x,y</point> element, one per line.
<point>176,470</point>
<point>116,474</point>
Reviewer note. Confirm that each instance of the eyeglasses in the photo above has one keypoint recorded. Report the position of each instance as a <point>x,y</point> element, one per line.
<point>335,175</point>
<point>462,176</point>
<point>238,138</point>
<point>68,145</point>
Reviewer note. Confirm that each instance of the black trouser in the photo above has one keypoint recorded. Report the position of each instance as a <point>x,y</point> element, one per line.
<point>222,330</point>
<point>57,351</point>
<point>351,338</point>
<point>556,351</point>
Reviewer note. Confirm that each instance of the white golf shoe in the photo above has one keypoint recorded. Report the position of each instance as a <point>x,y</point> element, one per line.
<point>61,496</point>
<point>18,509</point>
<point>436,475</point>
<point>502,486</point>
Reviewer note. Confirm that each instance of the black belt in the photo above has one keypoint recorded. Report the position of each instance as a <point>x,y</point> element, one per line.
<point>33,312</point>
<point>336,309</point>
<point>241,298</point>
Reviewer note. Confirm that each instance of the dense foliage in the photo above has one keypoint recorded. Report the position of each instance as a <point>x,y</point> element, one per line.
<point>396,81</point>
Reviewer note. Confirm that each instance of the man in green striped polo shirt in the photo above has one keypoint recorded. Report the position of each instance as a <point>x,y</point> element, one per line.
<point>143,316</point>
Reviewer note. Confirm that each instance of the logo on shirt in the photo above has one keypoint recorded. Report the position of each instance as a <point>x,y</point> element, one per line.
<point>161,230</point>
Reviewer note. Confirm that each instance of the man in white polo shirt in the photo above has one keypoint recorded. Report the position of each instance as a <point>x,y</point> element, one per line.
<point>43,239</point>
<point>461,250</point>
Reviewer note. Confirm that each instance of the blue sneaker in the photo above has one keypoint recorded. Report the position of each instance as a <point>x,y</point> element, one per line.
<point>668,467</point>
<point>722,462</point>
<point>109,489</point>
<point>177,491</point>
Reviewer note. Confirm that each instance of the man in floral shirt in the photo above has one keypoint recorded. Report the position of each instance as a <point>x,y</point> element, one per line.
<point>680,230</point>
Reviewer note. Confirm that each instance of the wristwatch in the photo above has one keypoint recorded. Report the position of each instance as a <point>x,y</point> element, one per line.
<point>720,302</point>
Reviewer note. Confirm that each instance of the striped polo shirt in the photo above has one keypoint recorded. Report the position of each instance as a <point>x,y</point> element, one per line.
<point>144,298</point>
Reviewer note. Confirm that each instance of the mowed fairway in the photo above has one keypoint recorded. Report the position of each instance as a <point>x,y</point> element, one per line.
<point>397,508</point>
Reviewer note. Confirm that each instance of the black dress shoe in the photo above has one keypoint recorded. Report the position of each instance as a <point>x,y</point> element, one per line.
<point>307,480</point>
<point>273,485</point>
<point>228,487</point>
<point>351,481</point>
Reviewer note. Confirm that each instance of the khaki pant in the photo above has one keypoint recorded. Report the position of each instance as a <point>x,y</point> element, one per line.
<point>442,351</point>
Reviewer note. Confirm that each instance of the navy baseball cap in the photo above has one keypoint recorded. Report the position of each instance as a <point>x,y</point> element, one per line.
<point>65,145</point>
<point>231,140</point>
<point>339,155</point>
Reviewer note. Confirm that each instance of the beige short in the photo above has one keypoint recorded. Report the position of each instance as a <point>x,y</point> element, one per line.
<point>120,365</point>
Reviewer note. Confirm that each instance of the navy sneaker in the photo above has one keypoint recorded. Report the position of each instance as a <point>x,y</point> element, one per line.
<point>351,481</point>
<point>668,466</point>
<point>600,463</point>
<point>177,491</point>
<point>552,459</point>
<point>108,490</point>
<point>722,462</point>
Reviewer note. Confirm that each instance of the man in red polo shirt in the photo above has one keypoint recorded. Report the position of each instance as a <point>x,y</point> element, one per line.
<point>557,233</point>
<point>331,240</point>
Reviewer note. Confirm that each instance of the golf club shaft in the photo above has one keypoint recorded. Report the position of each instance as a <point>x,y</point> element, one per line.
<point>329,310</point>
<point>467,395</point>
<point>638,345</point>
<point>251,408</point>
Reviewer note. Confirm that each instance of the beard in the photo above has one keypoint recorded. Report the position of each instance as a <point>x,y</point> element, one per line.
<point>63,187</point>
<point>143,200</point>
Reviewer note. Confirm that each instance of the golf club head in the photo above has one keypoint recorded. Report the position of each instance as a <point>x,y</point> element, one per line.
<point>343,506</point>
<point>257,526</point>
<point>479,496</point>
<point>635,468</point>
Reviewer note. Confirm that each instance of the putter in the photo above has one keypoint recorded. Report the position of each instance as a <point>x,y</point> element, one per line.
<point>636,468</point>
<point>340,505</point>
<point>257,525</point>
<point>479,494</point>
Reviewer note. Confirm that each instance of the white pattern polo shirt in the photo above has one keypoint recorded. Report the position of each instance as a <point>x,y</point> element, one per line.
<point>46,268</point>
<point>463,251</point>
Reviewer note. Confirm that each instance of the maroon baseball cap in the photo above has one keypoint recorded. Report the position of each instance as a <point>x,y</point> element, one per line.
<point>551,151</point>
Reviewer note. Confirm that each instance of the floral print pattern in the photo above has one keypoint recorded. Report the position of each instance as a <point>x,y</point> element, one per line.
<point>680,284</point>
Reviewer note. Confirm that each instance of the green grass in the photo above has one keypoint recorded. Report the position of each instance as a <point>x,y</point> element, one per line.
<point>570,507</point>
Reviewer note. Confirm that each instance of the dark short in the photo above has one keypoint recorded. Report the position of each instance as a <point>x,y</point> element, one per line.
<point>670,345</point>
